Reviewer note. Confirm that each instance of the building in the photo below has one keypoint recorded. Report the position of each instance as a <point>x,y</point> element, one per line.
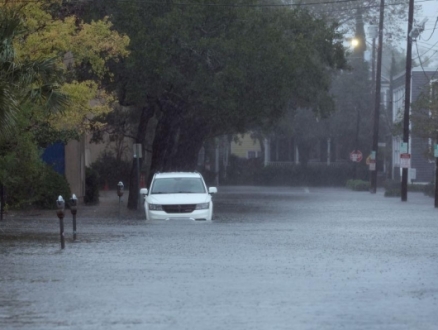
<point>422,168</point>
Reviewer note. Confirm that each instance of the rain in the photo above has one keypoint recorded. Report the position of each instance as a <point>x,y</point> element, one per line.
<point>218,164</point>
<point>276,258</point>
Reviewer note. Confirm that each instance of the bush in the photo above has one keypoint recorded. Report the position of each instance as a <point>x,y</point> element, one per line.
<point>319,174</point>
<point>111,170</point>
<point>429,190</point>
<point>242,171</point>
<point>51,186</point>
<point>392,188</point>
<point>41,191</point>
<point>91,186</point>
<point>251,171</point>
<point>358,185</point>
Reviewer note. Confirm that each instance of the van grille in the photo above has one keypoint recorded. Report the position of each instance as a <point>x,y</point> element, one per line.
<point>179,208</point>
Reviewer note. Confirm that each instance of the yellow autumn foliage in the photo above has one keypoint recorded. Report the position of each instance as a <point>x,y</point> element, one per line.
<point>87,101</point>
<point>73,44</point>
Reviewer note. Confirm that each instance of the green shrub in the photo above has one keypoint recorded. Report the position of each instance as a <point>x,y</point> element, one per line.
<point>111,171</point>
<point>91,186</point>
<point>51,186</point>
<point>319,174</point>
<point>242,171</point>
<point>358,185</point>
<point>429,190</point>
<point>253,172</point>
<point>40,191</point>
<point>392,188</point>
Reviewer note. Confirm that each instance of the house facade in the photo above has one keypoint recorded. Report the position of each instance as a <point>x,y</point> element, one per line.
<point>422,168</point>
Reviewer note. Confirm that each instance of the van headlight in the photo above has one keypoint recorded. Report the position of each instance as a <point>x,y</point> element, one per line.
<point>155,207</point>
<point>202,206</point>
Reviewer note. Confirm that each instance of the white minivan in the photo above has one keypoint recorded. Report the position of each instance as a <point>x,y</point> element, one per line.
<point>178,195</point>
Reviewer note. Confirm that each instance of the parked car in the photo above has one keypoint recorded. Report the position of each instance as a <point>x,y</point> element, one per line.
<point>178,195</point>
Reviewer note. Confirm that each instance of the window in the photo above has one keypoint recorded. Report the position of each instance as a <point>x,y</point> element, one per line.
<point>251,154</point>
<point>178,185</point>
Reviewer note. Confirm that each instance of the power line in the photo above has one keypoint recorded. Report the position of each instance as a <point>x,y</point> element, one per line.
<point>421,62</point>
<point>434,27</point>
<point>428,50</point>
<point>422,67</point>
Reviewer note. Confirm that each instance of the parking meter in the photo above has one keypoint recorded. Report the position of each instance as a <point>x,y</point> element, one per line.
<point>60,203</point>
<point>120,187</point>
<point>74,209</point>
<point>73,204</point>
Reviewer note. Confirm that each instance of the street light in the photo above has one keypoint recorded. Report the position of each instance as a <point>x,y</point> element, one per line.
<point>354,42</point>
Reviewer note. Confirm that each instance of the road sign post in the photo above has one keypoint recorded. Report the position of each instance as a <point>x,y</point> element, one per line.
<point>138,155</point>
<point>405,160</point>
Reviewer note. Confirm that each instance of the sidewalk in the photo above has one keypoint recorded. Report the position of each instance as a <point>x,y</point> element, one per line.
<point>108,207</point>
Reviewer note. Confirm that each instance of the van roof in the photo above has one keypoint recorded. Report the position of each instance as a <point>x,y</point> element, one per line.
<point>178,175</point>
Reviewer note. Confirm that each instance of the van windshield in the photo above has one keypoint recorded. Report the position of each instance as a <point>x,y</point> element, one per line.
<point>178,186</point>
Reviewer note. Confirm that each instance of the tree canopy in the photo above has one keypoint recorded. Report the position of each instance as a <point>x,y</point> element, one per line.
<point>210,68</point>
<point>43,96</point>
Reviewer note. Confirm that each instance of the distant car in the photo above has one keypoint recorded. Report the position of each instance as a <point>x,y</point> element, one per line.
<point>178,195</point>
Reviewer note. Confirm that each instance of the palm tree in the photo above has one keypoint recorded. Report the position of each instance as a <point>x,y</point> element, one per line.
<point>35,81</point>
<point>31,81</point>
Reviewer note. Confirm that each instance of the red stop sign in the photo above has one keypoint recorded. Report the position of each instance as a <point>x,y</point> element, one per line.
<point>356,156</point>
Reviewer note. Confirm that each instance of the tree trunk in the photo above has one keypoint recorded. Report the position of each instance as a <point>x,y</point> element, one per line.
<point>134,189</point>
<point>186,157</point>
<point>162,146</point>
<point>304,151</point>
<point>2,201</point>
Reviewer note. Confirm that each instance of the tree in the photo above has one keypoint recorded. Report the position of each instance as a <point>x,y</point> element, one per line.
<point>35,85</point>
<point>35,81</point>
<point>347,12</point>
<point>80,50</point>
<point>201,71</point>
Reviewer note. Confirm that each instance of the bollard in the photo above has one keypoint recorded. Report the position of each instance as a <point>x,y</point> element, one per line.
<point>60,203</point>
<point>120,187</point>
<point>74,210</point>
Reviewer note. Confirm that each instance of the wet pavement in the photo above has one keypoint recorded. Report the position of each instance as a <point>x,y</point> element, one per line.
<point>273,258</point>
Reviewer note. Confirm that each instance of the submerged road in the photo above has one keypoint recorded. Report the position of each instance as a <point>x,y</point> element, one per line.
<point>273,258</point>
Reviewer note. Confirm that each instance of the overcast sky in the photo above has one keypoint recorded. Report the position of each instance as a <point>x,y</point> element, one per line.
<point>428,41</point>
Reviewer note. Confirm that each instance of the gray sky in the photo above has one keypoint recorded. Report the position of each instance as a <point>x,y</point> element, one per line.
<point>428,42</point>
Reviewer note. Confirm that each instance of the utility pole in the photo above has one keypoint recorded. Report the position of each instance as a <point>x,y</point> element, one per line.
<point>436,177</point>
<point>373,183</point>
<point>404,183</point>
<point>373,66</point>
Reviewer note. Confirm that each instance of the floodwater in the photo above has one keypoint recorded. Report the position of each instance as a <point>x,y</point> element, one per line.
<point>273,258</point>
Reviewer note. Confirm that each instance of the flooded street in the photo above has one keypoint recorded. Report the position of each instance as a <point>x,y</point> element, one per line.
<point>272,258</point>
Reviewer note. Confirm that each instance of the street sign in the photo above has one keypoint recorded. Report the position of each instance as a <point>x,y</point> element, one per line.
<point>403,148</point>
<point>405,160</point>
<point>137,150</point>
<point>371,163</point>
<point>356,156</point>
<point>435,150</point>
